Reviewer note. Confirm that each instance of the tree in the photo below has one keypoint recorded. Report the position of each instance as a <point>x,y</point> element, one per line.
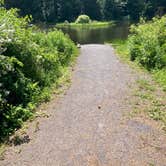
<point>113,9</point>
<point>61,10</point>
<point>92,9</point>
<point>155,7</point>
<point>108,9</point>
<point>135,8</point>
<point>83,19</point>
<point>69,10</point>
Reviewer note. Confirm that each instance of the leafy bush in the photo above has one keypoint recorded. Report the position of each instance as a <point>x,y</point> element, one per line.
<point>83,19</point>
<point>147,43</point>
<point>30,62</point>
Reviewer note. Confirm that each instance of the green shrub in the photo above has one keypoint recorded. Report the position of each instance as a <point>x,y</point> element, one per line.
<point>83,19</point>
<point>30,62</point>
<point>147,43</point>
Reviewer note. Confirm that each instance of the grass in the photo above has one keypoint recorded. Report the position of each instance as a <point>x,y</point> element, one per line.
<point>57,89</point>
<point>150,96</point>
<point>150,101</point>
<point>2,151</point>
<point>160,77</point>
<point>93,24</point>
<point>144,84</point>
<point>122,50</point>
<point>121,47</point>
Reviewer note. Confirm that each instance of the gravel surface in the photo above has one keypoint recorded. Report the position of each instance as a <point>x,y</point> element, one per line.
<point>87,126</point>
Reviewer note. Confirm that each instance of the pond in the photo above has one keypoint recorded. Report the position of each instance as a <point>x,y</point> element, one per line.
<point>98,35</point>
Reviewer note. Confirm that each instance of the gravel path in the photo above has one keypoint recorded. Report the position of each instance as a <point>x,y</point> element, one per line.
<point>87,126</point>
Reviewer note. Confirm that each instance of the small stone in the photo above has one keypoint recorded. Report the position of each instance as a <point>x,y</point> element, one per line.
<point>99,107</point>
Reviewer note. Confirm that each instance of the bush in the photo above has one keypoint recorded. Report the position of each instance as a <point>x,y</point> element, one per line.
<point>83,19</point>
<point>147,43</point>
<point>30,62</point>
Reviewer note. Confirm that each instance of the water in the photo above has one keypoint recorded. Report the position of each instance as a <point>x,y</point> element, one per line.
<point>99,35</point>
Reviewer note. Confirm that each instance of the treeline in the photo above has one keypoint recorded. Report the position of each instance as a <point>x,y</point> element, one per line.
<point>61,10</point>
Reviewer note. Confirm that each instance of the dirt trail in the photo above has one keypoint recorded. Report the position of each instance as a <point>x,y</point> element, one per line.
<point>87,126</point>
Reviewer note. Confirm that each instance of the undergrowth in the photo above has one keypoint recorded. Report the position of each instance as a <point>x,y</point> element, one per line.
<point>145,51</point>
<point>31,62</point>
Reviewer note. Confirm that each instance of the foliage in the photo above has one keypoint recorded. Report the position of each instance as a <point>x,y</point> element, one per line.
<point>30,62</point>
<point>91,8</point>
<point>150,97</point>
<point>147,43</point>
<point>135,9</point>
<point>92,24</point>
<point>123,50</point>
<point>61,10</point>
<point>113,10</point>
<point>141,8</point>
<point>121,47</point>
<point>56,10</point>
<point>83,19</point>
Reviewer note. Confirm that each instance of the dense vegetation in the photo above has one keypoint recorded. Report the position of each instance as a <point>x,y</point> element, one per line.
<point>147,46</point>
<point>61,10</point>
<point>83,19</point>
<point>30,63</point>
<point>147,43</point>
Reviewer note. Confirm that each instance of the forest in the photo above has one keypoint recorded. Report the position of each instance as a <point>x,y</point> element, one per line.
<point>69,10</point>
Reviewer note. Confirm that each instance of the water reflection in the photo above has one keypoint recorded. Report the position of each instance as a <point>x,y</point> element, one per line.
<point>85,35</point>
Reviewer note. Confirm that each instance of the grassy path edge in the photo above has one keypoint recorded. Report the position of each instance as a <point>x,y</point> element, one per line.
<point>150,95</point>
